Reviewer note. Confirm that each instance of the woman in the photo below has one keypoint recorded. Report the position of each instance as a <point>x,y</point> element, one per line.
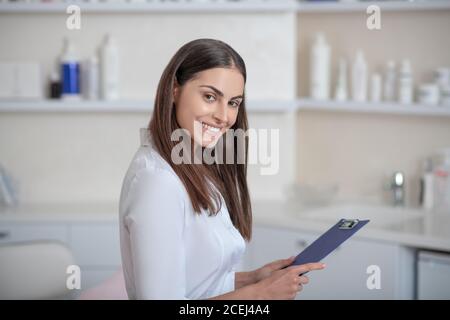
<point>183,224</point>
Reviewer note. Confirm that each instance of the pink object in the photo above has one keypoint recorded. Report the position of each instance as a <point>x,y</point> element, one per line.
<point>112,288</point>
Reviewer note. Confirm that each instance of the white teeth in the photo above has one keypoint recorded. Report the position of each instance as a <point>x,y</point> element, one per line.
<point>210,128</point>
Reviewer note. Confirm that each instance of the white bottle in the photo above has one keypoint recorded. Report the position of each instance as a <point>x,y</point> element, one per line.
<point>390,80</point>
<point>375,87</point>
<point>428,94</point>
<point>441,189</point>
<point>340,93</point>
<point>320,69</point>
<point>109,69</point>
<point>427,185</point>
<point>442,79</point>
<point>91,79</point>
<point>405,83</point>
<point>359,78</point>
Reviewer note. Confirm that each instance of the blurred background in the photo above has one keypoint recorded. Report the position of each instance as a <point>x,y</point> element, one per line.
<point>359,91</point>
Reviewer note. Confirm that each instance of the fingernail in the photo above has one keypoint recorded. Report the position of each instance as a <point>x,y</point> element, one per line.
<point>323,265</point>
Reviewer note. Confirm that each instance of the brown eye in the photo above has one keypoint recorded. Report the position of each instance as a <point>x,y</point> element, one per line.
<point>210,98</point>
<point>234,104</point>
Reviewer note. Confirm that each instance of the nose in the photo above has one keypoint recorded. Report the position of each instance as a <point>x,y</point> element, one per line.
<point>220,113</point>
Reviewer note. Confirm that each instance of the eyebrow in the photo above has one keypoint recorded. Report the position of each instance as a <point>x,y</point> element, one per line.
<point>220,93</point>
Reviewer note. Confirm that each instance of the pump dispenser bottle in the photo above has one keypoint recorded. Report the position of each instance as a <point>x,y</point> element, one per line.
<point>320,68</point>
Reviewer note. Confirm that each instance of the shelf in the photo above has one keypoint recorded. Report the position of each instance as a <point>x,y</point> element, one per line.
<point>76,106</point>
<point>271,6</point>
<point>255,106</point>
<point>371,107</point>
<point>361,6</point>
<point>262,106</point>
<point>151,7</point>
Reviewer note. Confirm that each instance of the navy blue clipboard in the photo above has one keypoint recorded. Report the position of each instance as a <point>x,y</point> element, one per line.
<point>329,241</point>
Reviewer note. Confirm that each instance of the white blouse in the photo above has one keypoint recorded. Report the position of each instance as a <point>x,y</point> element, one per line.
<point>168,250</point>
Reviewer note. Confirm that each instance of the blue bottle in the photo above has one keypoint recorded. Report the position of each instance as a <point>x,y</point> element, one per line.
<point>70,72</point>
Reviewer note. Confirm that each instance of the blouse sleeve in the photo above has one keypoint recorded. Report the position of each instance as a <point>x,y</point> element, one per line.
<point>155,222</point>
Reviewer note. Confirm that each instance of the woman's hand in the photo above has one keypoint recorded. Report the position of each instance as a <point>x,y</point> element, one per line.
<point>285,283</point>
<point>246,278</point>
<point>267,270</point>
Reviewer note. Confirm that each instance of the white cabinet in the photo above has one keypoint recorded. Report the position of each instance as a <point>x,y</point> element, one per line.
<point>96,247</point>
<point>94,244</point>
<point>433,275</point>
<point>345,276</point>
<point>13,232</point>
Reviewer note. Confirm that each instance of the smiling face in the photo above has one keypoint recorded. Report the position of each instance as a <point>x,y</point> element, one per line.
<point>208,104</point>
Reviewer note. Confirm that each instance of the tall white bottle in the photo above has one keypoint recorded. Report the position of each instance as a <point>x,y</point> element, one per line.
<point>375,87</point>
<point>109,55</point>
<point>320,68</point>
<point>90,79</point>
<point>359,78</point>
<point>427,185</point>
<point>405,83</point>
<point>340,93</point>
<point>390,82</point>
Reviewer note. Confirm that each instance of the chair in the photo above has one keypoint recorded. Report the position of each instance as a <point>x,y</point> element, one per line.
<point>34,270</point>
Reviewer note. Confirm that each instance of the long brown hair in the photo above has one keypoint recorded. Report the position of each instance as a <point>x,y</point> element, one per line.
<point>229,179</point>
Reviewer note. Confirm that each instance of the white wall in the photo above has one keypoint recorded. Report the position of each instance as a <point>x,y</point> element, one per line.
<point>82,157</point>
<point>358,151</point>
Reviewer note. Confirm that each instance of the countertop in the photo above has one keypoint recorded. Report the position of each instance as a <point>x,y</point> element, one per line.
<point>55,212</point>
<point>430,231</point>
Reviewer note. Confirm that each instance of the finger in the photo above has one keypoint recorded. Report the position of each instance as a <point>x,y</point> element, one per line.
<point>295,288</point>
<point>285,262</point>
<point>278,264</point>
<point>291,258</point>
<point>279,273</point>
<point>303,280</point>
<point>307,267</point>
<point>282,263</point>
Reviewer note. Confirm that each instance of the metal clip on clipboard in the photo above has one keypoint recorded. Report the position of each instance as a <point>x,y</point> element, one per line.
<point>348,223</point>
